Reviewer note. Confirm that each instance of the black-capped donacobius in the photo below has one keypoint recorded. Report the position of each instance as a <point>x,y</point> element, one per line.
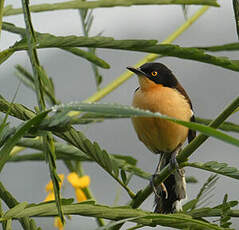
<point>160,91</point>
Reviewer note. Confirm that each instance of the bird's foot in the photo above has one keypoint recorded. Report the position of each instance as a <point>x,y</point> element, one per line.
<point>173,160</point>
<point>163,187</point>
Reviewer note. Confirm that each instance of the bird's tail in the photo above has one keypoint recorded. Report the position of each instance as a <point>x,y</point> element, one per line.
<point>172,191</point>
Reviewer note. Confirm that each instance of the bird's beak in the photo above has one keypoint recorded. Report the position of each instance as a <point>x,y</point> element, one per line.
<point>137,71</point>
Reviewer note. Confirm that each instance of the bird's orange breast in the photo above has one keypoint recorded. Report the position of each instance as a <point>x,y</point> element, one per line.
<point>157,134</point>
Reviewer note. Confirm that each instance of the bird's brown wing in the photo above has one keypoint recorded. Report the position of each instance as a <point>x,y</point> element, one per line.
<point>183,92</point>
<point>191,133</point>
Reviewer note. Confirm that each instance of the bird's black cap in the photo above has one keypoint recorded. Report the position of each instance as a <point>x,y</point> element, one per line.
<point>157,72</point>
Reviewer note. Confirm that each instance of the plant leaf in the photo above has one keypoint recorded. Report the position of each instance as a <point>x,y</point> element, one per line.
<point>5,133</point>
<point>226,126</point>
<point>128,111</point>
<point>15,210</point>
<point>123,176</point>
<point>12,141</point>
<point>11,202</point>
<point>101,157</point>
<point>216,167</point>
<point>151,46</point>
<point>66,151</point>
<point>185,11</point>
<point>236,13</point>
<point>9,10</point>
<point>191,179</point>
<point>115,223</point>
<point>9,224</point>
<point>4,55</point>
<point>92,57</point>
<point>86,22</point>
<point>42,81</point>
<point>224,220</point>
<point>179,221</point>
<point>27,79</point>
<point>225,47</point>
<point>204,192</point>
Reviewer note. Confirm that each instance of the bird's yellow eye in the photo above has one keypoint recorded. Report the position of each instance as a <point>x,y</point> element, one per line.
<point>154,73</point>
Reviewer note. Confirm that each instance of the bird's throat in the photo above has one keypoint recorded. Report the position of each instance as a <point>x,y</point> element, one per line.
<point>147,84</point>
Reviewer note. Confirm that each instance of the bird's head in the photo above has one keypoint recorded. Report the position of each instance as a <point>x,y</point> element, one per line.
<point>152,74</point>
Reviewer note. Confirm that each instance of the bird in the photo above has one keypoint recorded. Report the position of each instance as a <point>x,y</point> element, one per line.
<point>160,91</point>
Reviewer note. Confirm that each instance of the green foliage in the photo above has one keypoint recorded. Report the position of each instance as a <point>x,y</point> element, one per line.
<point>226,126</point>
<point>53,126</point>
<point>76,51</point>
<point>219,168</point>
<point>94,151</point>
<point>11,202</point>
<point>203,194</point>
<point>1,14</point>
<point>86,21</point>
<point>8,10</point>
<point>12,141</point>
<point>224,220</point>
<point>236,12</point>
<point>225,47</point>
<point>65,152</point>
<point>120,111</point>
<point>27,79</point>
<point>150,46</point>
<point>41,79</point>
<point>178,221</point>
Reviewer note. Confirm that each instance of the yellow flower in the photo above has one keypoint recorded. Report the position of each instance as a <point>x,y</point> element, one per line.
<point>80,195</point>
<point>58,224</point>
<point>50,190</point>
<point>51,196</point>
<point>79,183</point>
<point>49,186</point>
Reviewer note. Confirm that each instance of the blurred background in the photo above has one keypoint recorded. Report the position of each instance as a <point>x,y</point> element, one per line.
<point>211,88</point>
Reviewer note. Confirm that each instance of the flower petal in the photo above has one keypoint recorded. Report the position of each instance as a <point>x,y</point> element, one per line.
<point>50,196</point>
<point>49,186</point>
<point>58,224</point>
<point>73,179</point>
<point>84,181</point>
<point>77,181</point>
<point>80,195</point>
